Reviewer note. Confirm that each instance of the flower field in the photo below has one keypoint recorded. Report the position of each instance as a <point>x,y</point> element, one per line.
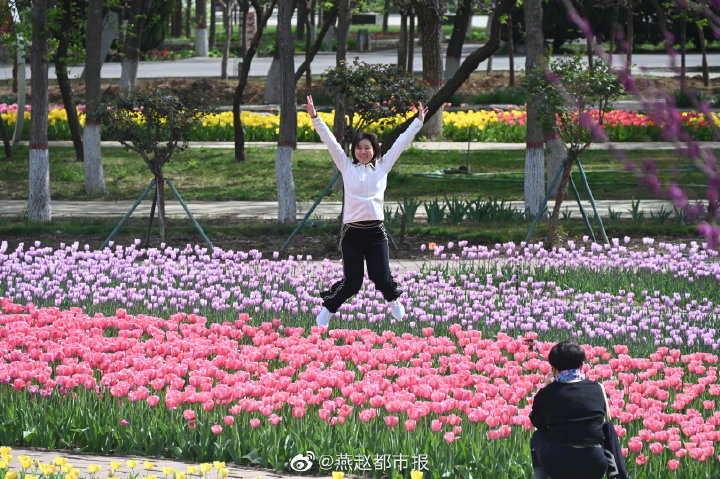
<point>483,125</point>
<point>184,353</point>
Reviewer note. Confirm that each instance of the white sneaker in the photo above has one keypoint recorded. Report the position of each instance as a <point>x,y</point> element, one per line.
<point>397,309</point>
<point>323,318</point>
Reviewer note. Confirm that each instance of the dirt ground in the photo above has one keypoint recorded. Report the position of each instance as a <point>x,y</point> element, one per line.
<point>318,245</point>
<point>220,92</point>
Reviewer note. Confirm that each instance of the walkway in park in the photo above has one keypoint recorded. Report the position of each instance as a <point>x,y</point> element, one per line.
<point>326,209</point>
<point>82,461</point>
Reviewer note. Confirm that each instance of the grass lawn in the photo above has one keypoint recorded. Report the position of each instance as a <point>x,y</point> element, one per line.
<point>212,174</point>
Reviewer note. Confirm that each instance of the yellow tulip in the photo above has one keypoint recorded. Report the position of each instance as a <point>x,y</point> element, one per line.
<point>223,472</point>
<point>338,475</point>
<point>167,470</point>
<point>4,463</point>
<point>66,468</point>
<point>114,465</point>
<point>25,463</point>
<point>131,463</point>
<point>151,476</point>
<point>218,464</point>
<point>11,475</point>
<point>5,450</point>
<point>416,474</point>
<point>47,469</point>
<point>60,461</point>
<point>148,465</point>
<point>205,467</point>
<point>179,474</point>
<point>93,468</point>
<point>192,469</point>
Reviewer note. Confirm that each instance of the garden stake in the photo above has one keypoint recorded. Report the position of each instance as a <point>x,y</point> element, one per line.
<point>190,215</point>
<point>152,215</point>
<point>543,206</point>
<point>309,212</point>
<point>127,215</point>
<point>582,210</point>
<point>592,201</point>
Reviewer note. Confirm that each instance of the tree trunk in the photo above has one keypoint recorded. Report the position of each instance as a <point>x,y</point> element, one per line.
<point>176,20</point>
<point>534,188</point>
<point>243,79</point>
<point>411,43</point>
<point>403,42</point>
<point>92,159</point>
<point>343,29</point>
<point>630,19</point>
<point>467,67</point>
<point>457,39</point>
<point>683,48</point>
<point>201,33</point>
<point>560,195</point>
<point>19,85</point>
<point>60,57</point>
<point>430,20</point>
<point>613,41</point>
<point>188,17</point>
<point>703,52</point>
<point>7,144</point>
<point>227,26</point>
<point>212,30</point>
<point>287,140</point>
<point>39,162</point>
<point>137,16</point>
<point>128,73</point>
<point>162,220</point>
<point>511,51</point>
<point>328,22</point>
<point>386,14</point>
<point>556,156</point>
<point>302,17</point>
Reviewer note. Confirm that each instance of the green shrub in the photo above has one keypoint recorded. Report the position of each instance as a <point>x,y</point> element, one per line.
<point>504,95</point>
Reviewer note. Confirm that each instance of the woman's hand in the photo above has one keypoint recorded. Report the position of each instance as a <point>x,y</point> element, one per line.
<point>421,111</point>
<point>310,107</point>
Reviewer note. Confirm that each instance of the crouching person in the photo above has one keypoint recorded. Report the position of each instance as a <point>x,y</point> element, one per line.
<point>569,413</point>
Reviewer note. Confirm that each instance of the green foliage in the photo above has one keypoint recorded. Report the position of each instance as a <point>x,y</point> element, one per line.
<point>570,90</point>
<point>373,92</point>
<point>154,124</point>
<point>156,27</point>
<point>687,98</point>
<point>507,96</point>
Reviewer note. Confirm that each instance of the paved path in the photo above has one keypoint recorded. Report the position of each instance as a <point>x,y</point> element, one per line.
<point>82,461</point>
<point>268,209</point>
<point>658,65</point>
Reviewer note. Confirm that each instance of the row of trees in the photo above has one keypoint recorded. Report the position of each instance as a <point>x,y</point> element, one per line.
<point>285,76</point>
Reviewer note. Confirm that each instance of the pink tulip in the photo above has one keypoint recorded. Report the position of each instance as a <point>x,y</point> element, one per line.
<point>254,422</point>
<point>189,415</point>
<point>391,421</point>
<point>229,420</point>
<point>673,464</point>
<point>216,429</point>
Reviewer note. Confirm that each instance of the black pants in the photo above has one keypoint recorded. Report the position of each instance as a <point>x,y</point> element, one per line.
<point>358,245</point>
<point>560,461</point>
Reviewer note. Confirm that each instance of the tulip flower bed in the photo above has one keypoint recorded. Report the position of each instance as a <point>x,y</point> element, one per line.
<point>483,125</point>
<point>215,356</point>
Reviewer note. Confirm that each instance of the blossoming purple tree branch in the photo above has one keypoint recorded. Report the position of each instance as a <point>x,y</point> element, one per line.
<point>664,110</point>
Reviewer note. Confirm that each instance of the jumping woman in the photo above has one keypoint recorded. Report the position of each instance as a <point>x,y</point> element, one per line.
<point>363,237</point>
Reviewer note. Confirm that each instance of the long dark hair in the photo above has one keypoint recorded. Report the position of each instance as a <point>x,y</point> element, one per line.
<point>372,138</point>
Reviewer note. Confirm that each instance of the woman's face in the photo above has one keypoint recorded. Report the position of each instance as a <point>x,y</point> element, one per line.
<point>364,152</point>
